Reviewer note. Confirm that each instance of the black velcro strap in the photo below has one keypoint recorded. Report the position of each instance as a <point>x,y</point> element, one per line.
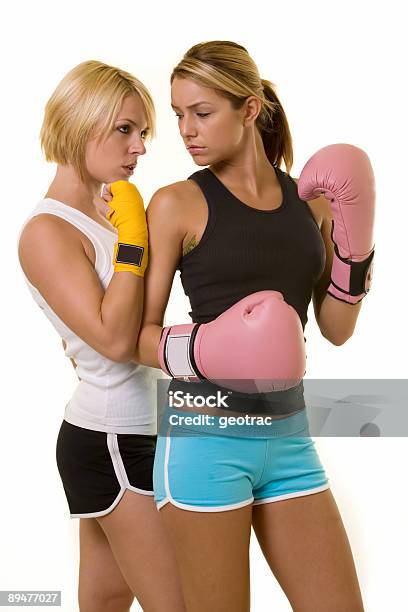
<point>358,271</point>
<point>129,254</point>
<point>166,363</point>
<point>191,352</point>
<point>358,275</point>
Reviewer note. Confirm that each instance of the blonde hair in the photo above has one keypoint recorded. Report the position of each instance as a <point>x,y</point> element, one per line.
<point>91,93</point>
<point>229,69</point>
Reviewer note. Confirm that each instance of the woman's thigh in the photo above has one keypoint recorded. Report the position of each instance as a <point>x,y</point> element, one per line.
<point>306,546</point>
<point>143,552</point>
<point>212,550</point>
<point>102,586</point>
<point>205,498</point>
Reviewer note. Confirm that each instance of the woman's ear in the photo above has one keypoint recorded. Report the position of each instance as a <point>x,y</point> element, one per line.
<point>252,108</point>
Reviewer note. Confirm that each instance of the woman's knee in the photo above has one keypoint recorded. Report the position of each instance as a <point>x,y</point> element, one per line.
<point>96,601</point>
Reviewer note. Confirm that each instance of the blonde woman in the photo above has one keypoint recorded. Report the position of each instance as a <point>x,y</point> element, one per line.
<point>236,228</point>
<point>86,274</point>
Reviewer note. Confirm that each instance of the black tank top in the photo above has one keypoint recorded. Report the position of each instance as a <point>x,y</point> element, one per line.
<point>244,250</point>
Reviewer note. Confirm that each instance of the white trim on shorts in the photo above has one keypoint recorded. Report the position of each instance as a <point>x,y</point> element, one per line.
<point>182,506</point>
<point>268,500</point>
<point>120,472</point>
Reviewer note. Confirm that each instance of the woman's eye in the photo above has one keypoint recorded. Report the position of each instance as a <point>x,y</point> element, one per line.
<point>143,135</point>
<point>198,115</point>
<point>124,127</point>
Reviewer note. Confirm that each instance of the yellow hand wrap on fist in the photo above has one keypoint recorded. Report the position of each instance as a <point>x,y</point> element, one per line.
<point>126,213</point>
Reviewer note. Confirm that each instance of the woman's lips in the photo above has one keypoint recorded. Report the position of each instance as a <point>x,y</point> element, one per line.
<point>195,150</point>
<point>129,170</point>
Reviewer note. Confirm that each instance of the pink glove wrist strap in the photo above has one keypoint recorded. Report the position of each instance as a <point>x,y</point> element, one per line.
<point>350,280</point>
<point>176,352</point>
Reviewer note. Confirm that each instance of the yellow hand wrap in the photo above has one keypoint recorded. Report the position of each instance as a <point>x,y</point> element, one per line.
<point>127,214</point>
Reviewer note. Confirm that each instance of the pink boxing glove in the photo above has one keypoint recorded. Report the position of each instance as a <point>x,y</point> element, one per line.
<point>256,346</point>
<point>343,174</point>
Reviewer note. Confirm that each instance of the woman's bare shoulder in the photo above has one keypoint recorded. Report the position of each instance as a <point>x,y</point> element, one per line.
<point>44,235</point>
<point>45,228</point>
<point>175,194</point>
<point>173,202</point>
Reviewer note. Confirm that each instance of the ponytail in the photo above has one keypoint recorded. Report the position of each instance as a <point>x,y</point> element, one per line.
<point>274,128</point>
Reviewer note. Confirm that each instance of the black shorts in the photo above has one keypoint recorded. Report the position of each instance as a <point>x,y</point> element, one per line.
<point>96,468</point>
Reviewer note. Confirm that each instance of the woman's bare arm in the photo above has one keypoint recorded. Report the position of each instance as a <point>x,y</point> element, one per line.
<point>166,234</point>
<point>54,260</point>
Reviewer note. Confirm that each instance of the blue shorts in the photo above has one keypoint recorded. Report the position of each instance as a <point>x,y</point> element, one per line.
<point>197,470</point>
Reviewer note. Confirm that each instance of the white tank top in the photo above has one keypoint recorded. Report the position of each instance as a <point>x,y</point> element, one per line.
<point>111,397</point>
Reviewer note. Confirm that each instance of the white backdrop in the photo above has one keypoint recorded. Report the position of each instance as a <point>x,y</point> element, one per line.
<point>340,74</point>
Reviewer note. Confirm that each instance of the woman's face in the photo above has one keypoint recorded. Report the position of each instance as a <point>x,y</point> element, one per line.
<point>212,130</point>
<point>115,157</point>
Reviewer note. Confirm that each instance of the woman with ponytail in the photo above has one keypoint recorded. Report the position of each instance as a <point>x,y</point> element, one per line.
<point>235,228</point>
